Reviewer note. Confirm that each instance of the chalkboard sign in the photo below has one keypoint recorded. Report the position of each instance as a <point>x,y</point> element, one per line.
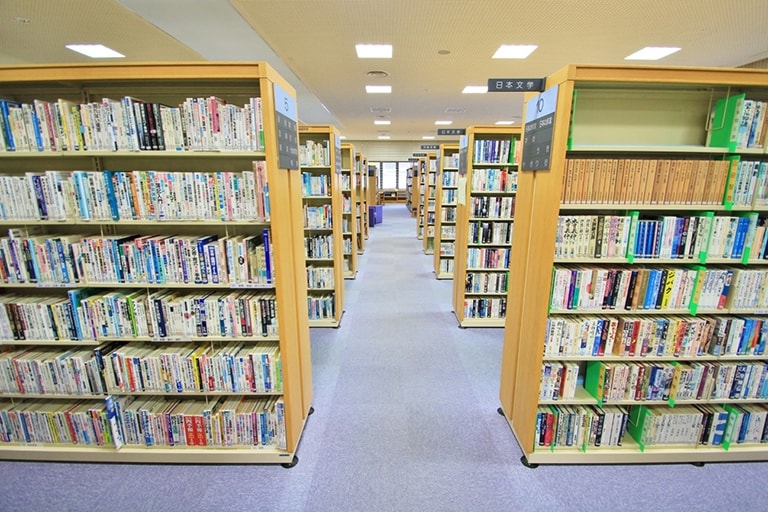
<point>286,119</point>
<point>539,126</point>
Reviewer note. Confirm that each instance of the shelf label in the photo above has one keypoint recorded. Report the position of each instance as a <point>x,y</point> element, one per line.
<point>463,149</point>
<point>539,125</point>
<point>430,146</point>
<point>286,124</point>
<point>451,131</point>
<point>515,85</point>
<point>337,151</point>
<point>420,154</point>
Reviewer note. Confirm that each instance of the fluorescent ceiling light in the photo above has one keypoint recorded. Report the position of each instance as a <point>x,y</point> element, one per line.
<point>95,51</point>
<point>428,137</point>
<point>444,122</point>
<point>514,51</point>
<point>384,137</point>
<point>342,136</point>
<point>382,121</point>
<point>374,51</point>
<point>506,123</point>
<point>475,89</point>
<point>652,53</point>
<point>378,89</point>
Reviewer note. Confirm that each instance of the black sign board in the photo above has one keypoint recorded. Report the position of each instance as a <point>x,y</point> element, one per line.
<point>430,146</point>
<point>463,156</point>
<point>413,159</point>
<point>539,125</point>
<point>287,137</point>
<point>420,154</point>
<point>338,154</point>
<point>515,84</point>
<point>451,131</point>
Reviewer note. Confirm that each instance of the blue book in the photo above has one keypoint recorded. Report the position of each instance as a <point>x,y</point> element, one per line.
<point>36,128</point>
<point>5,123</point>
<point>268,255</point>
<point>741,235</point>
<point>600,325</point>
<point>201,258</point>
<point>649,301</point>
<point>213,262</point>
<point>37,186</point>
<point>111,198</point>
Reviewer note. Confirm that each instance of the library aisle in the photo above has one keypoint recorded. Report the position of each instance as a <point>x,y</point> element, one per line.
<point>405,420</point>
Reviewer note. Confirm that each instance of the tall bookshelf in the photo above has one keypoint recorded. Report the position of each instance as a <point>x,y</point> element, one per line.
<point>487,185</point>
<point>430,194</point>
<point>420,190</point>
<point>320,158</point>
<point>348,202</point>
<point>636,152</point>
<point>411,189</point>
<point>361,201</point>
<point>108,325</point>
<point>445,210</point>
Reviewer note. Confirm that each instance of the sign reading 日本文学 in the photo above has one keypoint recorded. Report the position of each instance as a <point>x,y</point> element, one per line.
<point>537,135</point>
<point>286,118</point>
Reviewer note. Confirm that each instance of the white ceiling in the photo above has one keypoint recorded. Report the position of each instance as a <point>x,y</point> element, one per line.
<point>311,42</point>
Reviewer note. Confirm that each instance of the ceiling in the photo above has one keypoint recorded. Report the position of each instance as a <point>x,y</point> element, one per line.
<point>311,43</point>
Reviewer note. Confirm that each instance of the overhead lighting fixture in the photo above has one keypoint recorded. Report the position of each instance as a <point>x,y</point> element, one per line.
<point>342,137</point>
<point>381,110</point>
<point>374,51</point>
<point>475,89</point>
<point>652,53</point>
<point>504,123</point>
<point>514,51</point>
<point>95,51</point>
<point>384,137</point>
<point>382,121</point>
<point>443,122</point>
<point>428,137</point>
<point>378,89</point>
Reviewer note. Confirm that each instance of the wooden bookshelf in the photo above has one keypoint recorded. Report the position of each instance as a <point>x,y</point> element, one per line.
<point>162,84</point>
<point>430,204</point>
<point>349,200</point>
<point>445,210</point>
<point>361,201</point>
<point>484,231</point>
<point>652,122</point>
<point>320,158</point>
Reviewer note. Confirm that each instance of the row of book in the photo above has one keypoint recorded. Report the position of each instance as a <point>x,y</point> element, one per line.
<point>48,260</point>
<point>318,217</point>
<point>738,123</point>
<point>448,213</point>
<point>320,246</point>
<point>130,124</point>
<point>450,178</point>
<point>485,308</point>
<point>88,314</point>
<point>592,236</point>
<point>705,425</point>
<point>152,421</point>
<point>315,186</point>
<point>748,184</point>
<point>638,381</point>
<point>584,288</point>
<point>499,232</point>
<point>559,380</point>
<point>320,277</point>
<point>446,265</point>
<point>321,307</point>
<point>580,426</point>
<point>345,180</point>
<point>673,336</point>
<point>314,153</point>
<point>49,371</point>
<point>494,180</point>
<point>488,257</point>
<point>644,181</point>
<point>347,247</point>
<point>448,232</point>
<point>480,282</point>
<point>450,161</point>
<point>447,249</point>
<point>450,196</point>
<point>232,367</point>
<point>495,151</point>
<point>136,195</point>
<point>492,207</point>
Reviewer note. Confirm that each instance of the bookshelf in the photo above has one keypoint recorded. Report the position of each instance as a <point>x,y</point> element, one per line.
<point>349,200</point>
<point>361,201</point>
<point>445,211</point>
<point>430,194</point>
<point>100,308</point>
<point>410,192</point>
<point>486,190</point>
<point>320,158</point>
<point>637,158</point>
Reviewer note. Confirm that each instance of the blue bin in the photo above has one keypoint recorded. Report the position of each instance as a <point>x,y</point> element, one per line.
<point>375,214</point>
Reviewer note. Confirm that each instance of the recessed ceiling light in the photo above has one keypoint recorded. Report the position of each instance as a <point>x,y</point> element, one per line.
<point>382,121</point>
<point>505,122</point>
<point>374,51</point>
<point>22,20</point>
<point>342,136</point>
<point>95,51</point>
<point>378,89</point>
<point>443,52</point>
<point>384,137</point>
<point>444,122</point>
<point>514,51</point>
<point>475,89</point>
<point>652,53</point>
<point>377,74</point>
<point>428,137</point>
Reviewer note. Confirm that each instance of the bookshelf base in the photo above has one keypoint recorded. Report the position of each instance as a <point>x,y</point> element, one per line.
<point>428,251</point>
<point>147,455</point>
<point>350,275</point>
<point>480,322</point>
<point>630,453</point>
<point>325,322</point>
<point>444,275</point>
